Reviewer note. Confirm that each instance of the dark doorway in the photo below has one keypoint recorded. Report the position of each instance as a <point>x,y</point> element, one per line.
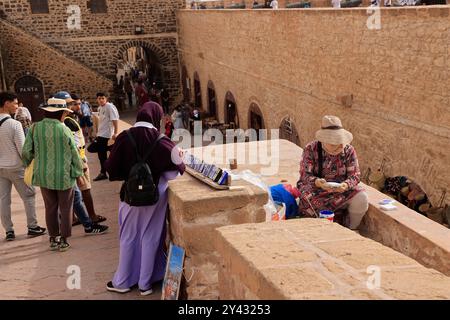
<point>288,131</point>
<point>197,92</point>
<point>255,118</point>
<point>138,63</point>
<point>231,116</point>
<point>31,93</point>
<point>212,104</point>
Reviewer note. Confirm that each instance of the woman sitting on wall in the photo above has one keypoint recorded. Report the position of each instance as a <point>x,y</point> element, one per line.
<point>331,158</point>
<point>142,228</point>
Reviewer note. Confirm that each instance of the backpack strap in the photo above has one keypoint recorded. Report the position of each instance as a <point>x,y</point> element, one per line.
<point>320,159</point>
<point>133,142</point>
<point>153,147</point>
<point>3,120</point>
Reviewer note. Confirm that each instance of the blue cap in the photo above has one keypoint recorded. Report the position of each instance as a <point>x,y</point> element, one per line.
<point>64,95</point>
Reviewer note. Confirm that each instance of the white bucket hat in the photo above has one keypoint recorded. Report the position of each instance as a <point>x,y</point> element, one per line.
<point>55,105</point>
<point>332,132</point>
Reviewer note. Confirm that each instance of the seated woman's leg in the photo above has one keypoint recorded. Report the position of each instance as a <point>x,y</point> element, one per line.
<point>357,208</point>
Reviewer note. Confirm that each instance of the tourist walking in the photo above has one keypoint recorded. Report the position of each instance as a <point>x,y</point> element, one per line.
<point>128,87</point>
<point>108,128</point>
<point>57,165</point>
<point>12,169</point>
<point>83,202</point>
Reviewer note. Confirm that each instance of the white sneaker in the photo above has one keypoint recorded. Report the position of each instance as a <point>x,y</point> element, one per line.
<point>111,288</point>
<point>146,292</point>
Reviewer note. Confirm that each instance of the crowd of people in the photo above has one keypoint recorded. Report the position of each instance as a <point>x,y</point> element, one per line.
<point>136,83</point>
<point>55,150</point>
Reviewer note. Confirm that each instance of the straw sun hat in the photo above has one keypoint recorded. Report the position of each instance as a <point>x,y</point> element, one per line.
<point>332,132</point>
<point>55,105</point>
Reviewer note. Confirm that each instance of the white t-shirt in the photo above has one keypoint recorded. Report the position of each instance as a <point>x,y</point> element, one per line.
<point>274,4</point>
<point>106,115</point>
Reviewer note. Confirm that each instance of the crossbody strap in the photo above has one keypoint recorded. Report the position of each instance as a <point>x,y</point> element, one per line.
<point>3,120</point>
<point>320,159</point>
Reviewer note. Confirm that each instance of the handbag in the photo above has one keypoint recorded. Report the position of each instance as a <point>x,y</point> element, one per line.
<point>28,175</point>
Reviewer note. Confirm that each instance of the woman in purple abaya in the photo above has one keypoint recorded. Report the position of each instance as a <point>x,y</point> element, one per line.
<point>142,259</point>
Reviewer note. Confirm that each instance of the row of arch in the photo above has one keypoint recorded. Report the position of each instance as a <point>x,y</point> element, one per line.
<point>230,113</point>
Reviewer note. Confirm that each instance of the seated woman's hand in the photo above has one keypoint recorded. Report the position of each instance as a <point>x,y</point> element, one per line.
<point>342,188</point>
<point>322,184</point>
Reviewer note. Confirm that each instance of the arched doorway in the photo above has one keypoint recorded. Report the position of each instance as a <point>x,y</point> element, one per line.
<point>197,92</point>
<point>212,103</point>
<point>288,131</point>
<point>140,62</point>
<point>185,84</point>
<point>231,115</point>
<point>137,63</point>
<point>30,91</point>
<point>255,118</point>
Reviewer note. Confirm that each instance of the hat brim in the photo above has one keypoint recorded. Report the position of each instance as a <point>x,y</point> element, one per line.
<point>54,109</point>
<point>335,137</point>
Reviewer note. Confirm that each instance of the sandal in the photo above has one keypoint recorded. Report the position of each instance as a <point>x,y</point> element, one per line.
<point>99,219</point>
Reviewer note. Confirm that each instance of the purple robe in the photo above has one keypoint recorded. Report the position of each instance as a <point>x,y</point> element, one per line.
<point>142,229</point>
<point>142,233</point>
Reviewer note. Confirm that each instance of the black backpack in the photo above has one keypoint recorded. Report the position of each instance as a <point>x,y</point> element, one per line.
<point>140,189</point>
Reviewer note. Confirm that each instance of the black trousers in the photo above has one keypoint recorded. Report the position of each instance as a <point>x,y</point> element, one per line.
<point>102,147</point>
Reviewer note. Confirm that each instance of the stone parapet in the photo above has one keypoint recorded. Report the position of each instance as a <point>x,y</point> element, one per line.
<point>316,259</point>
<point>408,232</point>
<point>196,210</point>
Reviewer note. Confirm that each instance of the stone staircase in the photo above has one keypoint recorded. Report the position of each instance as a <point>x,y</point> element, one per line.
<point>27,54</point>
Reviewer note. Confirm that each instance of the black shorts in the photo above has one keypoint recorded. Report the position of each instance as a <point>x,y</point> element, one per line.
<point>86,122</point>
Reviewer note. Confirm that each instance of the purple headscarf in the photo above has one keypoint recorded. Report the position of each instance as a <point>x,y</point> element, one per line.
<point>123,155</point>
<point>151,112</point>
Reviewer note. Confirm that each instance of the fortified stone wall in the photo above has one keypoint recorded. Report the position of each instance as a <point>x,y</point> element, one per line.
<point>57,71</point>
<point>102,37</point>
<point>388,85</point>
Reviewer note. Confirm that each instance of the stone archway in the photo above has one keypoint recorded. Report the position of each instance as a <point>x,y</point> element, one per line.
<point>197,92</point>
<point>288,131</point>
<point>212,101</point>
<point>231,114</point>
<point>255,118</point>
<point>140,59</point>
<point>30,91</point>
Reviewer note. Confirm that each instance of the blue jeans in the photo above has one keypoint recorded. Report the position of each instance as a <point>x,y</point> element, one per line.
<point>80,209</point>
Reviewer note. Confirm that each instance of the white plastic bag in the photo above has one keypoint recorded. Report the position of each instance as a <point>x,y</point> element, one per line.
<point>272,212</point>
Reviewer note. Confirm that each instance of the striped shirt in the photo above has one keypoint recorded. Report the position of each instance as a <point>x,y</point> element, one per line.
<point>57,161</point>
<point>12,139</point>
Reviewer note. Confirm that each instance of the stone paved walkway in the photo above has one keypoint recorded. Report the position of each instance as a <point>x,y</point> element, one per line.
<point>28,270</point>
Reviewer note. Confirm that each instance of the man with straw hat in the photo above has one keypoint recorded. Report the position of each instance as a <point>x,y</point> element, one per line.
<point>330,175</point>
<point>57,165</point>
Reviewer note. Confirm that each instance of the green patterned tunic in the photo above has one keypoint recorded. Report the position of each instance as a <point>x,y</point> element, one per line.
<point>57,162</point>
